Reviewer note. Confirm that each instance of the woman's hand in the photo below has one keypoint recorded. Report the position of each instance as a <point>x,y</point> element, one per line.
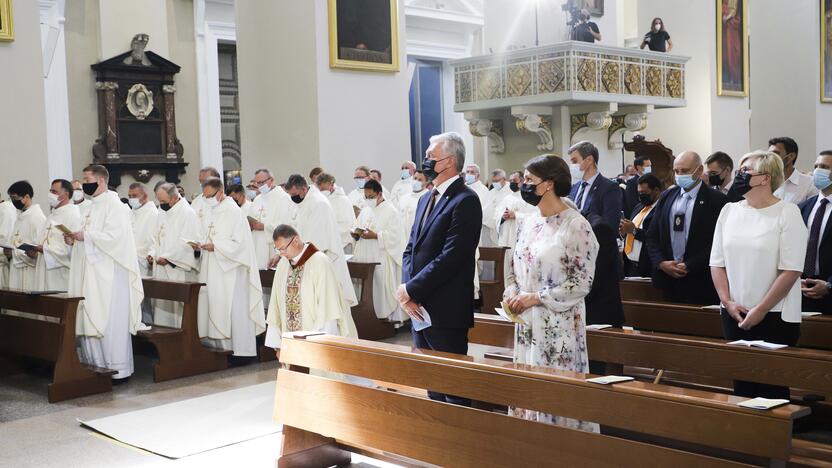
<point>753,317</point>
<point>519,303</point>
<point>736,311</point>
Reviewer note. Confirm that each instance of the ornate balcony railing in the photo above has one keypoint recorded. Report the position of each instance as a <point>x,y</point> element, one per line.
<point>569,73</point>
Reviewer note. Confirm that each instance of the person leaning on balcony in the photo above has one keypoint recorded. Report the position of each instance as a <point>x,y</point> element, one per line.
<point>657,39</point>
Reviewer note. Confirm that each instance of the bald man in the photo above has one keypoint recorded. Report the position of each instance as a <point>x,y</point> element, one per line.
<point>404,186</point>
<point>680,236</point>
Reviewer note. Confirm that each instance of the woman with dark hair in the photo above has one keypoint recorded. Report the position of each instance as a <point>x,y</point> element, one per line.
<point>551,272</point>
<point>657,39</point>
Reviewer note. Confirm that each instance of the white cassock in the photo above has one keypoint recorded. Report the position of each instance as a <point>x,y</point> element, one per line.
<point>272,209</point>
<point>492,201</point>
<point>387,250</point>
<point>198,204</point>
<point>231,302</point>
<point>407,208</point>
<point>28,229</point>
<point>344,214</point>
<point>315,222</point>
<point>248,208</point>
<point>8,217</point>
<point>307,297</point>
<point>174,227</point>
<point>482,192</point>
<point>52,270</point>
<point>144,226</point>
<point>105,272</point>
<point>507,229</point>
<point>357,196</point>
<point>400,189</point>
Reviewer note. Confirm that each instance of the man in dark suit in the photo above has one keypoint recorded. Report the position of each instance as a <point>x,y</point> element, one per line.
<point>593,193</point>
<point>817,272</point>
<point>680,236</point>
<point>634,230</point>
<point>643,166</point>
<point>603,303</point>
<point>438,262</point>
<point>719,175</point>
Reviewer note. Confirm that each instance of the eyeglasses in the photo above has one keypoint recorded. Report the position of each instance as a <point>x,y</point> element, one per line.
<point>283,249</point>
<point>745,170</point>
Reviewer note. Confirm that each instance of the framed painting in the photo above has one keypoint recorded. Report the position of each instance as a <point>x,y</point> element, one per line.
<point>826,50</point>
<point>363,35</point>
<point>732,48</point>
<point>6,21</point>
<point>595,7</point>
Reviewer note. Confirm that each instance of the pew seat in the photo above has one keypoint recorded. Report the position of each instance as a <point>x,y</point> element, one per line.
<point>369,326</point>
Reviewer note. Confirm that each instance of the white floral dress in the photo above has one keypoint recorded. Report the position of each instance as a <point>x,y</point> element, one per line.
<point>554,257</point>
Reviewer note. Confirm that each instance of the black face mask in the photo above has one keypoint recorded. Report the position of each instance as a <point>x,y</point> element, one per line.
<point>297,199</point>
<point>18,204</point>
<point>645,199</point>
<point>527,193</point>
<point>714,180</point>
<point>89,187</point>
<point>513,186</point>
<point>164,206</point>
<point>742,183</point>
<point>429,168</point>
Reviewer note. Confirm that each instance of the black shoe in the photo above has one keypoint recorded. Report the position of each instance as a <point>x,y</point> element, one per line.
<point>237,361</point>
<point>120,381</point>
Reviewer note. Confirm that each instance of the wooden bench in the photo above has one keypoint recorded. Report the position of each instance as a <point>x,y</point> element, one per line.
<point>684,319</point>
<point>181,353</point>
<point>264,353</point>
<point>369,326</point>
<point>491,291</point>
<point>51,339</point>
<point>325,419</point>
<point>640,289</point>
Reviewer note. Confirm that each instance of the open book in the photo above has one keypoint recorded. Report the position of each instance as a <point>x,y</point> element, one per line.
<point>761,403</point>
<point>63,229</point>
<point>506,313</point>
<point>758,344</point>
<point>192,243</point>
<point>610,379</point>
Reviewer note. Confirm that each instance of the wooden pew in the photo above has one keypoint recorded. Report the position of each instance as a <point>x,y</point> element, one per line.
<point>684,319</point>
<point>640,289</point>
<point>364,313</point>
<point>181,353</point>
<point>264,353</point>
<point>491,291</point>
<point>325,419</point>
<point>52,340</point>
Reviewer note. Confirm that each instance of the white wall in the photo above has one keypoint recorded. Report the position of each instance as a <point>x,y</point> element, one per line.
<point>126,18</point>
<point>23,154</point>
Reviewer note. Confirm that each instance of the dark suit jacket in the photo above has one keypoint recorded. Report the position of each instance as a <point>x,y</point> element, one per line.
<point>438,262</point>
<point>604,199</point>
<point>824,258</point>
<point>732,195</point>
<point>645,266</point>
<point>697,287</point>
<point>631,195</point>
<point>603,303</point>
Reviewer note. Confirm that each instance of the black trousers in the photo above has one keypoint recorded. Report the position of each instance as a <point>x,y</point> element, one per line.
<point>448,340</point>
<point>772,329</point>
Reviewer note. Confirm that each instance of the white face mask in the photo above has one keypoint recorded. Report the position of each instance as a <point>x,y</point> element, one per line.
<point>370,202</point>
<point>497,185</point>
<point>53,200</point>
<point>417,186</point>
<point>576,172</point>
<point>470,179</point>
<point>77,195</point>
<point>264,189</point>
<point>405,174</point>
<point>657,26</point>
<point>135,203</point>
<point>251,194</point>
<point>212,202</point>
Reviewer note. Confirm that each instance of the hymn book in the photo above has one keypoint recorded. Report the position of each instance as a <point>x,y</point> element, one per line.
<point>63,229</point>
<point>599,326</point>
<point>192,243</point>
<point>506,313</point>
<point>610,379</point>
<point>761,403</point>
<point>758,344</point>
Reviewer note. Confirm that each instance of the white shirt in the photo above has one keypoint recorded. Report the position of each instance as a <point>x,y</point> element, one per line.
<point>823,223</point>
<point>754,245</point>
<point>727,187</point>
<point>797,188</point>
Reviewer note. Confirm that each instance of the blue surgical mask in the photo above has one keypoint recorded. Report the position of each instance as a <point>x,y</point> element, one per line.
<point>359,183</point>
<point>264,189</point>
<point>497,185</point>
<point>470,179</point>
<point>821,179</point>
<point>647,170</point>
<point>685,181</point>
<point>405,174</point>
<point>417,186</point>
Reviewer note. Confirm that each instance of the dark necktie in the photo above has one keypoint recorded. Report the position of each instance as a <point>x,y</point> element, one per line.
<point>814,240</point>
<point>431,204</point>
<point>581,193</point>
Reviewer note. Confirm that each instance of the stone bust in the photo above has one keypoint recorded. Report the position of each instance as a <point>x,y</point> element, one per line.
<point>137,55</point>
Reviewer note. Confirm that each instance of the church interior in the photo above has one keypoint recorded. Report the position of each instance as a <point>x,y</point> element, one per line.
<point>388,233</point>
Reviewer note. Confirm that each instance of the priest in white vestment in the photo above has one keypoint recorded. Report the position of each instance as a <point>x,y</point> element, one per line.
<point>231,302</point>
<point>144,225</point>
<point>106,275</point>
<point>341,206</point>
<point>499,190</point>
<point>315,221</point>
<point>172,257</point>
<point>198,203</point>
<point>382,241</point>
<point>506,213</point>
<point>272,208</point>
<point>403,186</point>
<point>238,193</point>
<point>360,177</point>
<point>306,294</point>
<point>410,202</point>
<point>472,180</point>
<point>8,217</point>
<point>28,229</point>
<point>52,270</point>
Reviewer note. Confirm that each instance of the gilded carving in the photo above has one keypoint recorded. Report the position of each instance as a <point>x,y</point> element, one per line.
<point>673,82</point>
<point>577,122</point>
<point>550,76</point>
<point>587,70</point>
<point>610,77</point>
<point>653,81</point>
<point>632,78</point>
<point>519,80</point>
<point>464,87</point>
<point>488,85</point>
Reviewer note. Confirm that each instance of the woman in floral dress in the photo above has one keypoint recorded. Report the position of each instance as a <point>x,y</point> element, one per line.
<point>551,273</point>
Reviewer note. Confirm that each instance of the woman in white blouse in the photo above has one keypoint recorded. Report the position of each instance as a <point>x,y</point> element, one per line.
<point>756,260</point>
